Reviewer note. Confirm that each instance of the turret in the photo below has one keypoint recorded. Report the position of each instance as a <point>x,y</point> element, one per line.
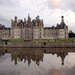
<point>38,17</point>
<point>29,21</point>
<point>62,24</point>
<point>42,23</point>
<point>24,20</point>
<point>15,22</point>
<point>28,16</point>
<point>11,22</point>
<point>15,18</point>
<point>62,18</point>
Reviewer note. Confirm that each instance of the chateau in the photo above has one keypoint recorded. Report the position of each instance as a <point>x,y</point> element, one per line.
<point>33,29</point>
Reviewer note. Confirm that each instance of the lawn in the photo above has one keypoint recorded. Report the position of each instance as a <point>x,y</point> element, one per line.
<point>16,40</point>
<point>53,40</point>
<point>12,40</point>
<point>42,40</point>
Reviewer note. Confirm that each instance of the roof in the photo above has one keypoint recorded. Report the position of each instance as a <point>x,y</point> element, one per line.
<point>1,27</point>
<point>62,24</point>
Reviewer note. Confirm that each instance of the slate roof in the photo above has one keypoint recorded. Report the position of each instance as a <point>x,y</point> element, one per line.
<point>3,27</point>
<point>61,26</point>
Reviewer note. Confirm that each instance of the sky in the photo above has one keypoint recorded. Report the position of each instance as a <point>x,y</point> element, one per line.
<point>48,10</point>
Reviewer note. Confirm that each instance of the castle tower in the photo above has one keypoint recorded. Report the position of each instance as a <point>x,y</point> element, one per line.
<point>62,24</point>
<point>15,20</point>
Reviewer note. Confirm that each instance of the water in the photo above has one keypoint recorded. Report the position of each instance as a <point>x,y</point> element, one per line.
<point>37,61</point>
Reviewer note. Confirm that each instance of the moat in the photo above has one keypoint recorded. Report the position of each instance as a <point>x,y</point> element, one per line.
<point>37,61</point>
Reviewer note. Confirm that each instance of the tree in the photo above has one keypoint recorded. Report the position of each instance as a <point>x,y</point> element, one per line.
<point>71,34</point>
<point>70,31</point>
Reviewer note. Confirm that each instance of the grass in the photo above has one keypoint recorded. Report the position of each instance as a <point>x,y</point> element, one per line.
<point>16,40</point>
<point>0,40</point>
<point>53,40</point>
<point>12,40</point>
<point>44,40</point>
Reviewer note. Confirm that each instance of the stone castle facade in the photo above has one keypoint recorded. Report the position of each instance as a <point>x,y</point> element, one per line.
<point>33,29</point>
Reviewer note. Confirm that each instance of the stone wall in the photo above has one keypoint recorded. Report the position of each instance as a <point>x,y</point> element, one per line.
<point>37,45</point>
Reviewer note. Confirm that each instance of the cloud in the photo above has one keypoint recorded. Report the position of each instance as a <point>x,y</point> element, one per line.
<point>54,3</point>
<point>70,71</point>
<point>5,21</point>
<point>10,73</point>
<point>68,4</point>
<point>54,72</point>
<point>62,4</point>
<point>9,3</point>
<point>64,71</point>
<point>48,10</point>
<point>2,19</point>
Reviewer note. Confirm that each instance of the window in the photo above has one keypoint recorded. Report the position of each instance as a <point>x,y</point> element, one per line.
<point>40,36</point>
<point>13,36</point>
<point>65,32</point>
<point>40,33</point>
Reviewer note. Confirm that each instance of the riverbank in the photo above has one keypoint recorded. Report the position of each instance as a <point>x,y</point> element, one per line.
<point>37,44</point>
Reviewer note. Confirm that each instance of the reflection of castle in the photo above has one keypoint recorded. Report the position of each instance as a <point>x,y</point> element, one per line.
<point>2,52</point>
<point>27,54</point>
<point>34,54</point>
<point>61,54</point>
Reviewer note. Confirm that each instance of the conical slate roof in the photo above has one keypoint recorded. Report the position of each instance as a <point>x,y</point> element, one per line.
<point>62,24</point>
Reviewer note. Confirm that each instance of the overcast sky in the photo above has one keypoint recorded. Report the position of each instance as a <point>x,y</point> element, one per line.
<point>48,10</point>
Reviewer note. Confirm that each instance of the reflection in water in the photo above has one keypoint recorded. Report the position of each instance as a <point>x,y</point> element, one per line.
<point>27,54</point>
<point>35,54</point>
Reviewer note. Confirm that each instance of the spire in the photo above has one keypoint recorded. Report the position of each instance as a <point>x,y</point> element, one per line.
<point>28,16</point>
<point>11,22</point>
<point>16,18</point>
<point>62,24</point>
<point>24,19</point>
<point>62,18</point>
<point>38,17</point>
